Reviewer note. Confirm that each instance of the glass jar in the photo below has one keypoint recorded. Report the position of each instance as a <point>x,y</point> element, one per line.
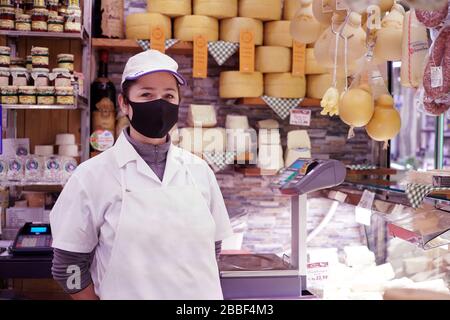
<point>7,16</point>
<point>45,95</point>
<point>73,19</point>
<point>28,6</point>
<point>29,63</point>
<point>9,94</point>
<point>55,24</point>
<point>19,76</point>
<point>19,7</point>
<point>5,56</point>
<point>62,77</point>
<point>17,62</point>
<point>52,7</point>
<point>64,95</point>
<point>4,76</point>
<point>39,57</point>
<point>27,95</point>
<point>23,22</point>
<point>65,60</point>
<point>40,76</point>
<point>39,19</point>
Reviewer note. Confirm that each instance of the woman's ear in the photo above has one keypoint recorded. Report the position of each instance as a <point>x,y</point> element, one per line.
<point>124,107</point>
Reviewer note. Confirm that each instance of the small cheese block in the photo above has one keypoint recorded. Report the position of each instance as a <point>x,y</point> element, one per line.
<point>270,59</point>
<point>171,8</point>
<point>43,150</point>
<point>311,66</point>
<point>416,265</point>
<point>187,27</point>
<point>277,33</point>
<point>358,256</point>
<point>298,139</point>
<point>139,25</point>
<point>241,141</point>
<point>284,85</point>
<point>268,124</point>
<point>236,121</point>
<point>235,84</point>
<point>216,8</point>
<point>317,84</point>
<point>191,139</point>
<point>265,10</point>
<point>65,138</point>
<point>292,155</point>
<point>201,116</point>
<point>214,139</point>
<point>269,136</point>
<point>290,7</point>
<point>270,157</point>
<point>230,29</point>
<point>68,150</point>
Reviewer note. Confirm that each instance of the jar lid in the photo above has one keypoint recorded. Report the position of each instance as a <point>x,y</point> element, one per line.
<point>45,90</point>
<point>8,89</point>
<point>64,91</point>
<point>65,57</point>
<point>27,89</point>
<point>39,50</point>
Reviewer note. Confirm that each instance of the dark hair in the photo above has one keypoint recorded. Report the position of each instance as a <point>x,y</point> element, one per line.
<point>126,86</point>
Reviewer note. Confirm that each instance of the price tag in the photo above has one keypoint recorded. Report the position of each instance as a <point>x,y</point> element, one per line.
<point>300,117</point>
<point>246,52</point>
<point>363,211</point>
<point>298,59</point>
<point>200,68</point>
<point>436,77</point>
<point>158,39</point>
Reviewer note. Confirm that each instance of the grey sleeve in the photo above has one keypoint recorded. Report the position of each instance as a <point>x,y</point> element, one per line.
<point>218,248</point>
<point>61,271</point>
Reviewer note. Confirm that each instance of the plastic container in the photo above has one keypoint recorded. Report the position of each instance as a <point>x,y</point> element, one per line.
<point>15,169</point>
<point>52,168</point>
<point>33,169</point>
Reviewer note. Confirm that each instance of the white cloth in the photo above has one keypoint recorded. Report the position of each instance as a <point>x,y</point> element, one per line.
<point>87,212</point>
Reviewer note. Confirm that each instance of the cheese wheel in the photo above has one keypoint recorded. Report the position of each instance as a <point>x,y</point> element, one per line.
<point>235,84</point>
<point>277,33</point>
<point>236,121</point>
<point>269,136</point>
<point>265,10</point>
<point>43,150</point>
<point>171,8</point>
<point>292,155</point>
<point>139,25</point>
<point>230,29</point>
<point>216,8</point>
<point>312,67</point>
<point>317,84</point>
<point>201,116</point>
<point>269,59</point>
<point>65,138</point>
<point>284,85</point>
<point>270,157</point>
<point>191,139</point>
<point>185,28</point>
<point>268,124</point>
<point>298,139</point>
<point>290,8</point>
<point>214,139</point>
<point>68,150</point>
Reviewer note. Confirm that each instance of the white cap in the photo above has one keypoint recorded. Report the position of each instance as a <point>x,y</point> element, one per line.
<point>150,61</point>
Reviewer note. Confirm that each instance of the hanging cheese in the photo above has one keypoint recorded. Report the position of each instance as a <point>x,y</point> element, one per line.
<point>304,27</point>
<point>201,116</point>
<point>317,84</point>
<point>214,139</point>
<point>219,9</point>
<point>268,124</point>
<point>270,157</point>
<point>290,7</point>
<point>230,29</point>
<point>43,150</point>
<point>235,84</point>
<point>139,25</point>
<point>265,10</point>
<point>385,123</point>
<point>284,85</point>
<point>236,121</point>
<point>185,28</point>
<point>269,136</point>
<point>388,44</point>
<point>312,67</point>
<point>271,59</point>
<point>414,50</point>
<point>298,139</point>
<point>292,155</point>
<point>277,33</point>
<point>321,15</point>
<point>171,8</point>
<point>356,107</point>
<point>191,139</point>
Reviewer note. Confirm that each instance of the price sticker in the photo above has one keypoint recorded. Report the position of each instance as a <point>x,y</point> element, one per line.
<point>436,77</point>
<point>300,117</point>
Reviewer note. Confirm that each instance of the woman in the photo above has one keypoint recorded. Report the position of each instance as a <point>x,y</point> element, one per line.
<point>145,212</point>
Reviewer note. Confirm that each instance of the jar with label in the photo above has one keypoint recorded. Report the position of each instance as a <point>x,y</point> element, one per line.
<point>33,168</point>
<point>5,56</point>
<point>68,167</point>
<point>28,6</point>
<point>29,63</point>
<point>55,24</point>
<point>65,60</point>
<point>7,16</point>
<point>17,62</point>
<point>15,169</point>
<point>40,77</point>
<point>23,22</point>
<point>19,76</point>
<point>39,19</point>
<point>101,140</point>
<point>52,168</point>
<point>64,95</point>
<point>39,57</point>
<point>52,7</point>
<point>4,76</point>
<point>73,18</point>
<point>27,95</point>
<point>9,95</point>
<point>62,77</point>
<point>45,95</point>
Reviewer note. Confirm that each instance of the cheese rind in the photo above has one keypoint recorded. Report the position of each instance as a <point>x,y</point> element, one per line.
<point>284,85</point>
<point>216,8</point>
<point>265,10</point>
<point>171,8</point>
<point>290,7</point>
<point>235,84</point>
<point>312,67</point>
<point>270,59</point>
<point>201,116</point>
<point>236,121</point>
<point>268,124</point>
<point>140,25</point>
<point>317,84</point>
<point>187,27</point>
<point>277,33</point>
<point>230,29</point>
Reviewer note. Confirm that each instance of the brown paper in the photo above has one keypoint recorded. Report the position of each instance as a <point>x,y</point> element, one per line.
<point>200,69</point>
<point>246,52</point>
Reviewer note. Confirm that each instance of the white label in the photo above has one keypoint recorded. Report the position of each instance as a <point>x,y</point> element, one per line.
<point>317,274</point>
<point>300,117</point>
<point>363,211</point>
<point>436,77</point>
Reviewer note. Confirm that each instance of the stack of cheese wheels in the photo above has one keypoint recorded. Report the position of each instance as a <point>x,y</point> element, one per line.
<point>277,33</point>
<point>235,84</point>
<point>265,10</point>
<point>66,145</point>
<point>284,85</point>
<point>290,7</point>
<point>171,8</point>
<point>298,146</point>
<point>43,150</point>
<point>230,29</point>
<point>139,25</point>
<point>270,59</point>
<point>187,27</point>
<point>311,66</point>
<point>318,84</point>
<point>201,116</point>
<point>219,9</point>
<point>270,154</point>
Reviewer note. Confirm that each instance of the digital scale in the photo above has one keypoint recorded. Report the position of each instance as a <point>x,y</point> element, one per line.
<point>268,275</point>
<point>33,238</point>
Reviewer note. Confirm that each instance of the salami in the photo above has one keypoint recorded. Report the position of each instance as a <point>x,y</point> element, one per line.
<point>432,18</point>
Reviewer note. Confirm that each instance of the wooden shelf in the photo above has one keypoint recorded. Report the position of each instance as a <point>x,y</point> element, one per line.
<point>255,171</point>
<point>130,45</point>
<point>45,34</point>
<point>307,102</point>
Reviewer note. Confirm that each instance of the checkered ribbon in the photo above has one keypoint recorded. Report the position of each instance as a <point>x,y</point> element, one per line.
<point>219,160</point>
<point>221,51</point>
<point>361,167</point>
<point>145,44</point>
<point>281,106</point>
<point>417,192</point>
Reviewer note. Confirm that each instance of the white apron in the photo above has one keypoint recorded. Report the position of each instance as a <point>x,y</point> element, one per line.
<point>164,246</point>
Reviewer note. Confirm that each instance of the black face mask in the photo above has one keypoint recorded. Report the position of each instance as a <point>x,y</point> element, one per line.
<point>154,119</point>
